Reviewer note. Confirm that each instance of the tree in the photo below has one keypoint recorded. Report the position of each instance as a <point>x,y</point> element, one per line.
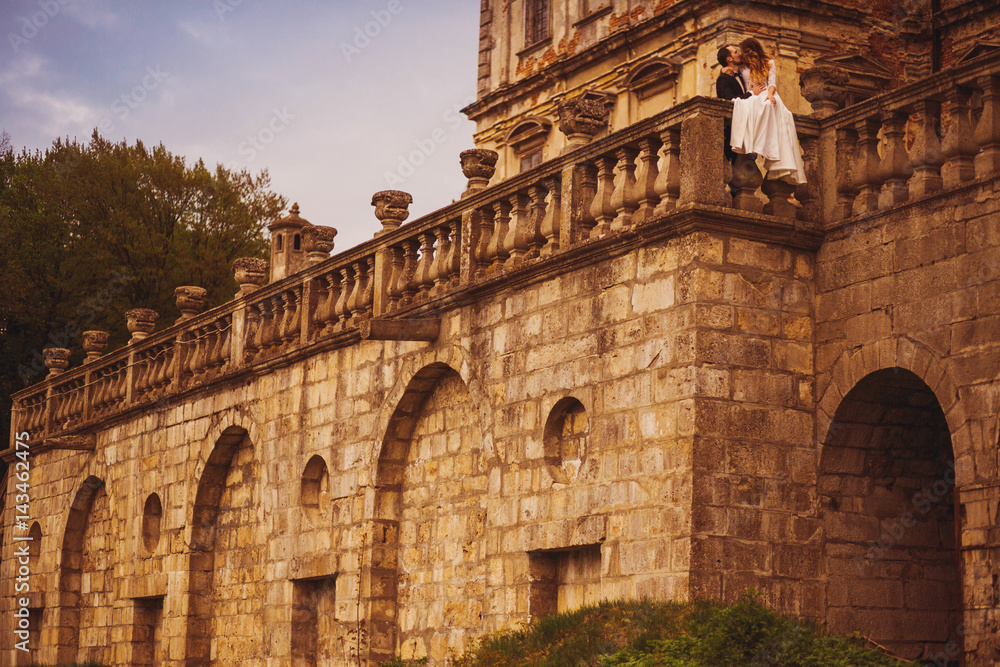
<point>91,230</point>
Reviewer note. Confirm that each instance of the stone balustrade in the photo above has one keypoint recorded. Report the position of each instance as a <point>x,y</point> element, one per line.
<point>663,175</point>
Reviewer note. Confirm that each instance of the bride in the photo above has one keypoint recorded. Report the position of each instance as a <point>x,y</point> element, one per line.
<point>761,123</point>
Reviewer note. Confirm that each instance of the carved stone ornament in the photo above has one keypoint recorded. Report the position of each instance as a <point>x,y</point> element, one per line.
<point>56,360</point>
<point>479,165</point>
<point>581,119</point>
<point>824,86</point>
<point>250,273</point>
<point>190,301</point>
<point>391,208</point>
<point>140,322</point>
<point>318,242</point>
<point>94,343</point>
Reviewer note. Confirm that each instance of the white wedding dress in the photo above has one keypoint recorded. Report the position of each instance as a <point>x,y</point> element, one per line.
<point>769,131</point>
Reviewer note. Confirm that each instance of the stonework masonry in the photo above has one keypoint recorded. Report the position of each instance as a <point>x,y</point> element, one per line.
<point>606,377</point>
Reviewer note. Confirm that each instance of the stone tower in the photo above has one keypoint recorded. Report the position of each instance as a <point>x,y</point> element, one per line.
<point>288,255</point>
<point>602,375</point>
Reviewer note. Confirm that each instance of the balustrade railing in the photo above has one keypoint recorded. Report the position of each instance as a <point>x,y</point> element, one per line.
<point>634,177</point>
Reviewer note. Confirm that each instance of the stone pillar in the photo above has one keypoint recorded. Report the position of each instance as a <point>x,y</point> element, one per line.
<point>865,170</point>
<point>959,146</point>
<point>847,189</point>
<point>988,130</point>
<point>391,208</point>
<point>895,167</point>
<point>702,172</point>
<point>925,154</point>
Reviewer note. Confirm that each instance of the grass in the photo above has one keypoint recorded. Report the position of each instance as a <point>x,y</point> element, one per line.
<point>665,634</point>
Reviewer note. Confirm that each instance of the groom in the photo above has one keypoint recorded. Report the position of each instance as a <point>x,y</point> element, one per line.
<point>729,86</point>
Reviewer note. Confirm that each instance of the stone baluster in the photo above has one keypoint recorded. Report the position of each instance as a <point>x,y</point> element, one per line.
<point>496,253</point>
<point>484,239</point>
<point>895,168</point>
<point>395,276</point>
<point>866,167</point>
<point>439,270</point>
<point>346,287</point>
<point>517,242</point>
<point>847,141</point>
<point>645,180</point>
<point>808,193</point>
<point>408,278</point>
<point>56,360</point>
<point>318,242</point>
<point>368,294</point>
<point>94,343</point>
<point>536,212</point>
<point>601,210</point>
<point>453,263</point>
<point>925,154</point>
<point>747,179</point>
<point>987,133</point>
<point>668,177</point>
<point>424,280</point>
<point>354,304</point>
<point>328,314</point>
<point>279,320</point>
<point>624,199</point>
<point>140,322</point>
<point>292,303</point>
<point>549,226</point>
<point>779,195</point>
<point>391,208</point>
<point>588,191</point>
<point>478,165</point>
<point>251,274</point>
<point>959,146</point>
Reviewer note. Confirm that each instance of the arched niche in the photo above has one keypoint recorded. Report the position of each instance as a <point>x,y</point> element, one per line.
<point>887,505</point>
<point>85,577</point>
<point>315,486</point>
<point>152,516</point>
<point>564,439</point>
<point>429,520</point>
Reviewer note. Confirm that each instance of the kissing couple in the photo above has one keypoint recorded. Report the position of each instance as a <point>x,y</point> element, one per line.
<point>761,122</point>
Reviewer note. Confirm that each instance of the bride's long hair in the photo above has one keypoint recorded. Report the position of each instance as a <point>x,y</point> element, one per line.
<point>755,59</point>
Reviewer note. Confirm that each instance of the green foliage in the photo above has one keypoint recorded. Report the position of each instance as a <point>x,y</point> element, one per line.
<point>90,230</point>
<point>666,634</point>
<point>399,662</point>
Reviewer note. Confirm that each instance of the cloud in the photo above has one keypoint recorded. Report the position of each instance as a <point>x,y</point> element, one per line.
<point>93,13</point>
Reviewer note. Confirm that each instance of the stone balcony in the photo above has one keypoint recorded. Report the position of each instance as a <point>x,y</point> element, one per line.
<point>659,178</point>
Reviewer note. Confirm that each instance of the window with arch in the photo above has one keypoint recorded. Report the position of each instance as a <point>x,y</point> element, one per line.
<point>277,242</point>
<point>564,440</point>
<point>315,493</point>
<point>297,242</point>
<point>35,545</point>
<point>152,515</point>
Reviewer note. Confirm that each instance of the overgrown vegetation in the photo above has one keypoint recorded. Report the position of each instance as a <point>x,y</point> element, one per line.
<point>667,634</point>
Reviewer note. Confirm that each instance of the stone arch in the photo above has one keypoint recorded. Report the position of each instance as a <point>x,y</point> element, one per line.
<point>886,484</point>
<point>426,578</point>
<point>222,473</point>
<point>564,439</point>
<point>902,352</point>
<point>85,575</point>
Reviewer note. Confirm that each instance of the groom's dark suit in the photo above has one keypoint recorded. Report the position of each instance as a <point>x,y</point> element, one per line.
<point>728,87</point>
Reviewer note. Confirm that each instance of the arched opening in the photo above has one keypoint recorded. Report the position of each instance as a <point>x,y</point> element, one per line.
<point>278,242</point>
<point>564,439</point>
<point>85,578</point>
<point>428,573</point>
<point>152,514</point>
<point>315,490</point>
<point>34,546</point>
<point>225,540</point>
<point>297,242</point>
<point>886,484</point>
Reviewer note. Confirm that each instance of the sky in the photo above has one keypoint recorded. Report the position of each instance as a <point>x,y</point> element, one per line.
<point>336,99</point>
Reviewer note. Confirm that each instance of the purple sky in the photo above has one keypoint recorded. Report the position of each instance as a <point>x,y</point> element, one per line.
<point>292,86</point>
